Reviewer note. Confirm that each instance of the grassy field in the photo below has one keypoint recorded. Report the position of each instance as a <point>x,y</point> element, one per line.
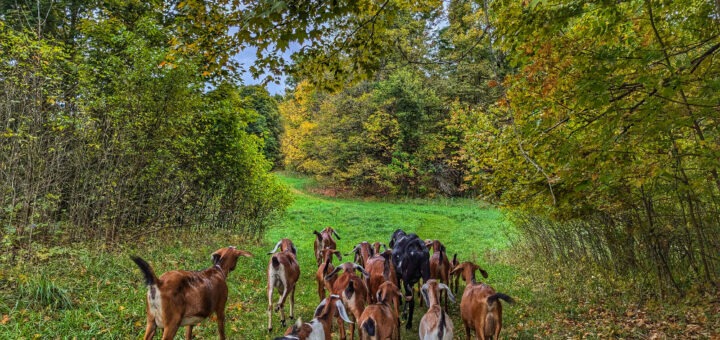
<point>106,291</point>
<point>91,291</point>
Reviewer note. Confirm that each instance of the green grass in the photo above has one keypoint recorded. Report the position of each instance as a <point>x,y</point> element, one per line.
<point>107,293</point>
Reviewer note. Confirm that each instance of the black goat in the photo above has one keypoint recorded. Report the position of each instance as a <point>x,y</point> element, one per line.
<point>411,259</point>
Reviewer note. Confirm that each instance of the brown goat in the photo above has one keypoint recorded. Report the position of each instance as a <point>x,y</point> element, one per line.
<point>380,320</point>
<point>323,239</point>
<point>480,309</point>
<point>363,251</point>
<point>184,298</point>
<point>439,263</point>
<point>380,269</point>
<point>325,268</point>
<point>283,273</point>
<point>436,323</point>
<point>352,290</point>
<point>319,327</point>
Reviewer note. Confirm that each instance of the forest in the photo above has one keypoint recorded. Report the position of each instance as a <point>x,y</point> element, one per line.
<point>593,126</point>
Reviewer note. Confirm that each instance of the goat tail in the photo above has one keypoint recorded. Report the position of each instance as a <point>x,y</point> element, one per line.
<point>441,324</point>
<point>275,262</point>
<point>493,298</point>
<point>150,278</point>
<point>369,327</point>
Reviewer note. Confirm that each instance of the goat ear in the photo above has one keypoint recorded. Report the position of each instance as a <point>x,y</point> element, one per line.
<point>342,312</point>
<point>362,270</point>
<point>215,258</point>
<point>320,308</point>
<point>338,255</point>
<point>328,276</point>
<point>424,292</point>
<point>336,234</point>
<point>244,253</point>
<point>449,292</point>
<point>483,272</point>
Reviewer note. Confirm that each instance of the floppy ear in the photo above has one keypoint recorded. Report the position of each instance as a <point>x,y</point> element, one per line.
<point>483,272</point>
<point>424,292</point>
<point>215,258</point>
<point>336,234</point>
<point>449,292</point>
<point>317,234</point>
<point>338,254</point>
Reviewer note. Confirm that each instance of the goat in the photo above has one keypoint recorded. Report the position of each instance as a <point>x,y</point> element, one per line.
<point>323,239</point>
<point>325,268</point>
<point>411,259</point>
<point>378,320</point>
<point>380,269</point>
<point>480,309</point>
<point>184,298</point>
<point>436,323</point>
<point>352,290</point>
<point>319,328</point>
<point>439,263</point>
<point>283,273</point>
<point>363,251</point>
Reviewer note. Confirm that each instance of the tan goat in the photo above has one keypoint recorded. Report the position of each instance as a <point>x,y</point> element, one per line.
<point>363,251</point>
<point>480,309</point>
<point>436,323</point>
<point>283,273</point>
<point>184,298</point>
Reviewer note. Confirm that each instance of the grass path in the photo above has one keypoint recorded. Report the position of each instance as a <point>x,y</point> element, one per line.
<point>108,293</point>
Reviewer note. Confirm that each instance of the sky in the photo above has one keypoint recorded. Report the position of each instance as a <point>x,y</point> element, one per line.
<point>247,58</point>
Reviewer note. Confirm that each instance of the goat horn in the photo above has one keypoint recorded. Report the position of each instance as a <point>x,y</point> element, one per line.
<point>276,247</point>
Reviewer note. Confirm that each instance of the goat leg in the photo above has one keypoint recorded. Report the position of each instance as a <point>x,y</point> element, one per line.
<point>411,305</point>
<point>281,304</point>
<point>150,328</point>
<point>292,304</point>
<point>188,332</point>
<point>270,305</point>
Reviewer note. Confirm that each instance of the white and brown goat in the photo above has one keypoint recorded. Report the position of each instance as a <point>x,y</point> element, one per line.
<point>184,298</point>
<point>319,328</point>
<point>283,272</point>
<point>324,239</point>
<point>436,323</point>
<point>352,290</point>
<point>480,308</point>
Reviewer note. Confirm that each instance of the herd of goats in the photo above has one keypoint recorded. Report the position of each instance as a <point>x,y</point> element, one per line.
<point>184,298</point>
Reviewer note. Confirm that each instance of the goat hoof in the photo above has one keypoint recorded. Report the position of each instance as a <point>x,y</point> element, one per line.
<point>282,323</point>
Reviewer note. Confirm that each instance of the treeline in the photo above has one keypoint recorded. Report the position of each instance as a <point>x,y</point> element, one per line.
<point>595,124</point>
<point>109,130</point>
